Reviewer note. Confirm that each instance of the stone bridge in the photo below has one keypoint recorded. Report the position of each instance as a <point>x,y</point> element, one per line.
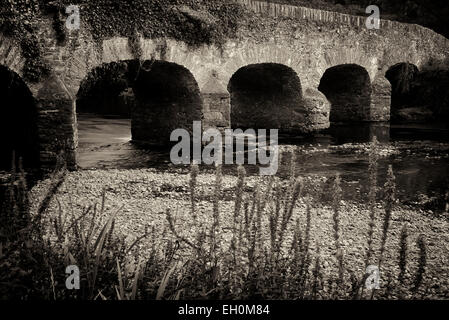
<point>329,63</point>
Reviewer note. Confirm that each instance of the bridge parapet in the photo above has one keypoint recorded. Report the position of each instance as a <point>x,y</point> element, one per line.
<point>283,10</point>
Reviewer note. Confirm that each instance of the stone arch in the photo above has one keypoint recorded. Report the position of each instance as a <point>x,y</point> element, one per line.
<point>348,56</point>
<point>101,90</point>
<point>11,55</point>
<point>239,56</point>
<point>401,59</point>
<point>164,96</point>
<point>167,98</point>
<point>348,89</point>
<point>401,77</point>
<point>269,96</point>
<point>199,61</point>
<point>18,122</point>
<point>87,56</point>
<point>419,93</point>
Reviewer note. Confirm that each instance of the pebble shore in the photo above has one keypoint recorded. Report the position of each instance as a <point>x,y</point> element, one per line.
<point>146,194</point>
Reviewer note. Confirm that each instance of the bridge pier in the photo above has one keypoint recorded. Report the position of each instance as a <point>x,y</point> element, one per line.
<point>380,100</point>
<point>318,108</point>
<point>56,123</point>
<point>216,104</point>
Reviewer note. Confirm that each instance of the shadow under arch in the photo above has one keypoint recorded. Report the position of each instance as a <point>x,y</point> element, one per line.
<point>348,89</point>
<point>419,95</point>
<point>401,77</point>
<point>151,98</point>
<point>18,123</point>
<point>267,96</point>
<point>101,90</point>
<point>167,98</point>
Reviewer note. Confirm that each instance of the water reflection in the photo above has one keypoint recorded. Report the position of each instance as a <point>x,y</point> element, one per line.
<point>360,132</point>
<point>385,132</point>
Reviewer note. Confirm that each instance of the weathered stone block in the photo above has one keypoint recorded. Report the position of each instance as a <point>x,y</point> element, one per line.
<point>318,108</point>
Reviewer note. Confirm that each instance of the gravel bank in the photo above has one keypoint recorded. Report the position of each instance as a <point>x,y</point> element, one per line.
<point>146,194</point>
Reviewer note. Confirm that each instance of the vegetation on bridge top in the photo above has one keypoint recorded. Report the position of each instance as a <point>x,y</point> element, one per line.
<point>195,22</point>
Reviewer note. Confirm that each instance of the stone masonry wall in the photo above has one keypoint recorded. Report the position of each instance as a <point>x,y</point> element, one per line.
<point>283,10</point>
<point>309,41</point>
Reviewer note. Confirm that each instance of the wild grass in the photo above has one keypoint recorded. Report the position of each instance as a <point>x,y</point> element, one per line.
<point>260,261</point>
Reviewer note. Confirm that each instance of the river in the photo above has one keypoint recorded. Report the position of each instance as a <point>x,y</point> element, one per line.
<point>419,154</point>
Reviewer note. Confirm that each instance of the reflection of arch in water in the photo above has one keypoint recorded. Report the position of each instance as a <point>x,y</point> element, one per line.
<point>360,132</point>
<point>18,122</point>
<point>267,95</point>
<point>348,89</point>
